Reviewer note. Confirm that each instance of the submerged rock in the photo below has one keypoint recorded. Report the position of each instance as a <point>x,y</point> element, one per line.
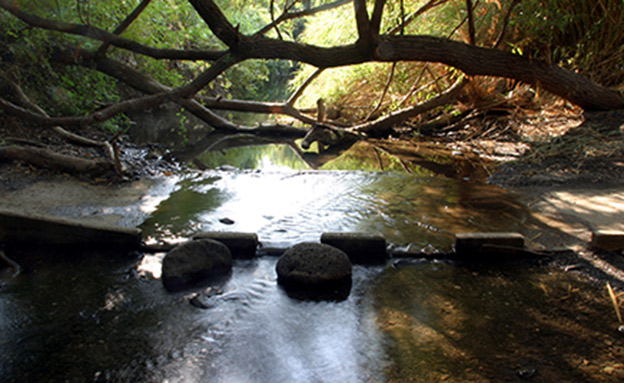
<point>315,271</point>
<point>194,263</point>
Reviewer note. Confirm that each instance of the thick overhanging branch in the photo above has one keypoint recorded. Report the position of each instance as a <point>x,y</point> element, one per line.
<point>476,61</point>
<point>370,47</point>
<point>218,23</point>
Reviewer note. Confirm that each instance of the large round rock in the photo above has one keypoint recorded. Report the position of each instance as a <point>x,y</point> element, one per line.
<point>194,263</point>
<point>315,271</point>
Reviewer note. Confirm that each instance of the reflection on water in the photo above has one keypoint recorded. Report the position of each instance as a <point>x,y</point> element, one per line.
<point>286,207</point>
<point>105,323</point>
<point>266,157</point>
<point>95,319</point>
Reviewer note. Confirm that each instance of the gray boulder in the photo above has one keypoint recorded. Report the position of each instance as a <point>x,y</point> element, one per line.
<point>315,271</point>
<point>195,263</point>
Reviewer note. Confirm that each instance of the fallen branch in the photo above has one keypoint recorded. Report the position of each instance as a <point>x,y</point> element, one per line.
<point>48,159</point>
<point>385,123</point>
<point>69,136</point>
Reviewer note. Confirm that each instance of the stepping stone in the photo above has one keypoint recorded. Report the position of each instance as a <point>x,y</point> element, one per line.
<point>242,245</point>
<point>195,263</point>
<point>467,244</point>
<point>362,248</point>
<point>608,240</point>
<point>315,271</point>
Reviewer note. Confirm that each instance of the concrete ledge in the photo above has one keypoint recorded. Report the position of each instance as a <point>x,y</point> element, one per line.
<point>487,243</point>
<point>361,248</point>
<point>40,230</point>
<point>241,245</point>
<point>608,240</point>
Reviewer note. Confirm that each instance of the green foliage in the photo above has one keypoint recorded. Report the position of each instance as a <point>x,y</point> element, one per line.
<point>579,34</point>
<point>361,85</point>
<point>255,157</point>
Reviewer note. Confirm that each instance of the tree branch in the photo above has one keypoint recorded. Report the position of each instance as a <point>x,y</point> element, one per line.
<point>124,25</point>
<point>61,162</point>
<point>411,17</point>
<point>383,93</point>
<point>376,17</point>
<point>365,38</point>
<point>471,24</point>
<point>390,120</point>
<point>295,96</point>
<point>217,22</point>
<point>306,12</point>
<point>501,37</point>
<point>108,38</point>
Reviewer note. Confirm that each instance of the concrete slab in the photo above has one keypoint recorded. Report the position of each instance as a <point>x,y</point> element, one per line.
<point>471,243</point>
<point>241,245</point>
<point>609,240</point>
<point>361,248</point>
<point>39,230</point>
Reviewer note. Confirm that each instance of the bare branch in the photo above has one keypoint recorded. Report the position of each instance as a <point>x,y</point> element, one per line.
<point>295,15</point>
<point>271,11</point>
<point>392,119</point>
<point>501,37</point>
<point>124,25</point>
<point>61,162</point>
<point>217,22</point>
<point>383,93</point>
<point>376,17</point>
<point>471,24</point>
<point>414,15</point>
<point>363,23</point>
<point>295,96</point>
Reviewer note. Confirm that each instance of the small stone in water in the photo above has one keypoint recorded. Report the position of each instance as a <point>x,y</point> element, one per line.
<point>202,301</point>
<point>527,373</point>
<point>226,221</point>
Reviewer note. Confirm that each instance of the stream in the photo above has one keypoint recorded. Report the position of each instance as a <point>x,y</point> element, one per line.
<point>101,317</point>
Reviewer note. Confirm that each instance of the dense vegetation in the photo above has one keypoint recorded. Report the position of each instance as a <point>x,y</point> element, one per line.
<point>82,58</point>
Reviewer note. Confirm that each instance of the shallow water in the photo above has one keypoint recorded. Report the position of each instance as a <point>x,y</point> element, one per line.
<point>97,319</point>
<point>286,207</point>
<point>76,317</point>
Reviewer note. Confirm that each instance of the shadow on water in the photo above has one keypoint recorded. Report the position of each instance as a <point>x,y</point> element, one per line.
<point>97,319</point>
<point>509,322</point>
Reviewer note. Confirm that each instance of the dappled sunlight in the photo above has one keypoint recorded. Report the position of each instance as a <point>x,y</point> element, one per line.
<point>151,265</point>
<point>480,324</point>
<point>605,207</point>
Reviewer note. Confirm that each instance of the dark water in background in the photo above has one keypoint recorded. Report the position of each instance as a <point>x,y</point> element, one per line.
<point>75,317</point>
